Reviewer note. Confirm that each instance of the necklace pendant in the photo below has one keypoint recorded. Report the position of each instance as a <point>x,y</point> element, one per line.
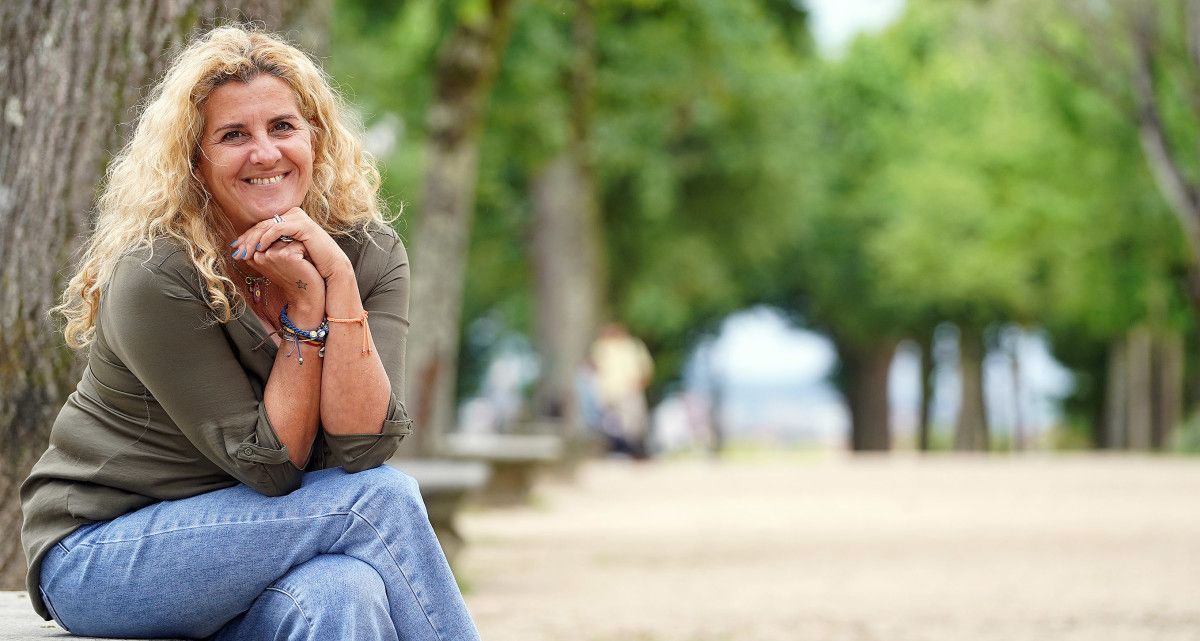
<point>255,285</point>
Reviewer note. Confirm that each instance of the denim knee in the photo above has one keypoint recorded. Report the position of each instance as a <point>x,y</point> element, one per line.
<point>390,489</point>
<point>332,596</point>
<point>333,579</point>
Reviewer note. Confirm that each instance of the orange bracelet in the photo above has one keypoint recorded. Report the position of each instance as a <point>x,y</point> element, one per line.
<point>366,348</point>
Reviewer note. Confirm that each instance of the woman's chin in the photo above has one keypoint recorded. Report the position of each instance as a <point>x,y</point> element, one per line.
<point>267,210</point>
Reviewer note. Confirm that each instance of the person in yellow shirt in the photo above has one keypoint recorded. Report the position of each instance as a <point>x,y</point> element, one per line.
<point>623,369</point>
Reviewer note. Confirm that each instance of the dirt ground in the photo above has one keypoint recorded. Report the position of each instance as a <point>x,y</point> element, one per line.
<point>831,548</point>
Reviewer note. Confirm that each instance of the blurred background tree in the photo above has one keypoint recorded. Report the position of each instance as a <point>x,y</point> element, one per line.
<point>666,164</point>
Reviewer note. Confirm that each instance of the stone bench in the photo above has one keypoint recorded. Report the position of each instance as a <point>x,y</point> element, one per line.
<point>18,621</point>
<point>514,459</point>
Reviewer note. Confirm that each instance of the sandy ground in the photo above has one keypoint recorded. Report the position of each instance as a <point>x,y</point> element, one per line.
<point>832,548</point>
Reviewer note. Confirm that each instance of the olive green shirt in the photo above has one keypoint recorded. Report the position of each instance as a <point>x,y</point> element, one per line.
<point>170,404</point>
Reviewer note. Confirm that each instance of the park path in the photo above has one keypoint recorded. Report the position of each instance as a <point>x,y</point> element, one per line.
<point>832,548</point>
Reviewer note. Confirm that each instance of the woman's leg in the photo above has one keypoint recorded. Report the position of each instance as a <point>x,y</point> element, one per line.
<point>333,596</point>
<point>187,567</point>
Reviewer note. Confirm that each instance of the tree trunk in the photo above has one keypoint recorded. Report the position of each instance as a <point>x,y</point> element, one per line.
<point>1018,428</point>
<point>1168,388</point>
<point>567,244</point>
<point>1116,397</point>
<point>925,395</point>
<point>466,67</point>
<point>970,430</point>
<point>565,257</point>
<point>1139,405</point>
<point>865,370</point>
<point>70,75</point>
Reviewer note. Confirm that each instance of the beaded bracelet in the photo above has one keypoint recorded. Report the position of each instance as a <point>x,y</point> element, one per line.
<point>297,335</point>
<point>296,340</point>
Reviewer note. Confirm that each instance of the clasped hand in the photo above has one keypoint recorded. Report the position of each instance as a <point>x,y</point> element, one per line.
<point>299,267</point>
<point>318,246</point>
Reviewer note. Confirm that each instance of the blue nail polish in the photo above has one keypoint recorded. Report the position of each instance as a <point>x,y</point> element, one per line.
<point>233,244</point>
<point>258,246</point>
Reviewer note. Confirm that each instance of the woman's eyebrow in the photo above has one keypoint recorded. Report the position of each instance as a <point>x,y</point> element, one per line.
<point>238,125</point>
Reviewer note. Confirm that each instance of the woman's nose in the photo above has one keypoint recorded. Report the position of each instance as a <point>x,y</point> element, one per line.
<point>265,152</point>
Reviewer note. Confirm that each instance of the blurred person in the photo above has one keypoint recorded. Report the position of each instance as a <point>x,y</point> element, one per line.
<point>502,388</point>
<point>623,369</point>
<point>217,471</point>
<point>590,410</point>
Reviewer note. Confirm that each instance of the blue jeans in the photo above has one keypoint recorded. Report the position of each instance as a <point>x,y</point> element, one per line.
<point>346,556</point>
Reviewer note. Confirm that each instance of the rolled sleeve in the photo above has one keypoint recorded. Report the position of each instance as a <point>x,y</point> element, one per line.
<point>358,452</point>
<point>167,337</point>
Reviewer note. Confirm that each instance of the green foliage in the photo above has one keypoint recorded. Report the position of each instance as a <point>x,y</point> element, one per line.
<point>692,143</point>
<point>942,170</point>
<point>1187,439</point>
<point>1072,437</point>
<point>695,144</point>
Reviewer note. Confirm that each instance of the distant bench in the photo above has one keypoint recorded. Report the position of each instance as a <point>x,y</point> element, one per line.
<point>514,459</point>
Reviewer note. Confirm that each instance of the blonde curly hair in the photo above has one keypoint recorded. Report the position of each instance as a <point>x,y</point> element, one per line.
<point>152,189</point>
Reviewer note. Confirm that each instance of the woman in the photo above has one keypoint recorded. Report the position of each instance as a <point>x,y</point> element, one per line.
<point>218,469</point>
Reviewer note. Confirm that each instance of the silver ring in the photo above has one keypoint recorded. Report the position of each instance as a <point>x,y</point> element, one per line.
<point>277,218</point>
<point>286,239</point>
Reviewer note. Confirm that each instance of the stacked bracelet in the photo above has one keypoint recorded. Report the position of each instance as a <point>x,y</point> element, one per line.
<point>297,335</point>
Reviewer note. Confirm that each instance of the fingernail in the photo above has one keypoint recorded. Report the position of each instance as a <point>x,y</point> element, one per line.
<point>234,243</point>
<point>258,246</point>
<point>235,253</point>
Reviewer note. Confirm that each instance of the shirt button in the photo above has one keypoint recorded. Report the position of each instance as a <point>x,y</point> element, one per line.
<point>247,451</point>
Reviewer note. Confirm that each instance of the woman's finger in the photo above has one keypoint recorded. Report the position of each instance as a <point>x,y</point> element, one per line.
<point>293,229</point>
<point>294,224</point>
<point>246,244</point>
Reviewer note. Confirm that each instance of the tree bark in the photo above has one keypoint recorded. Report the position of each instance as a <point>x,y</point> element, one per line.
<point>1140,406</point>
<point>565,257</point>
<point>466,68</point>
<point>971,430</point>
<point>865,370</point>
<point>70,75</point>
<point>567,244</point>
<point>1168,388</point>
<point>1019,428</point>
<point>925,395</point>
<point>1116,397</point>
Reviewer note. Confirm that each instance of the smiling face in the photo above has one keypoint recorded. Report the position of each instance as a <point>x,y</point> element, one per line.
<point>256,151</point>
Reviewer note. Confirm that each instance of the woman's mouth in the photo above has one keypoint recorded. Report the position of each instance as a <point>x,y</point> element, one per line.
<point>267,181</point>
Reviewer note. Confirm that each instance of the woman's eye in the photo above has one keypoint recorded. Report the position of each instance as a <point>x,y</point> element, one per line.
<point>284,125</point>
<point>231,135</point>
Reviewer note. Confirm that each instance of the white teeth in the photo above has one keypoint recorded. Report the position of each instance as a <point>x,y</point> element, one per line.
<point>266,181</point>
